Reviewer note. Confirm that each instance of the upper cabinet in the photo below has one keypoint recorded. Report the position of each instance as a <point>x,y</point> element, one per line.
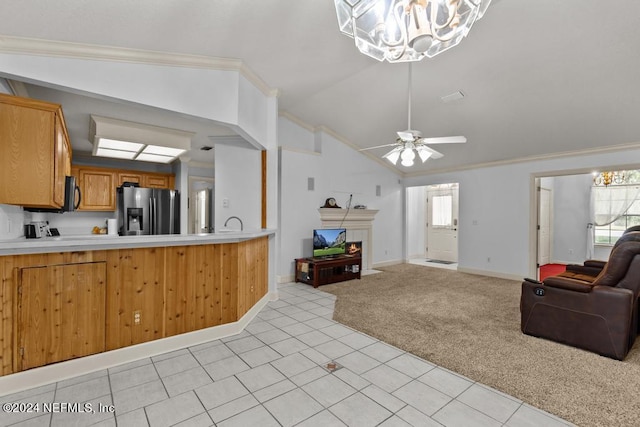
<point>35,153</point>
<point>157,181</point>
<point>98,185</point>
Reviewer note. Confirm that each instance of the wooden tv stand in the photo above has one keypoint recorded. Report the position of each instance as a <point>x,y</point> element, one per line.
<point>318,271</point>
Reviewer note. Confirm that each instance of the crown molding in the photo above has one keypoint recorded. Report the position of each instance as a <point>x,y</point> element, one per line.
<point>41,47</point>
<point>550,156</point>
<point>297,120</point>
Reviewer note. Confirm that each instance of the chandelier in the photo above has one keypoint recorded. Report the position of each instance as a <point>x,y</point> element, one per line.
<point>407,30</point>
<point>607,178</point>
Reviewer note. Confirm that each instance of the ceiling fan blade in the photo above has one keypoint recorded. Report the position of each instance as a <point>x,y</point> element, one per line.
<point>378,146</point>
<point>444,140</point>
<point>406,136</point>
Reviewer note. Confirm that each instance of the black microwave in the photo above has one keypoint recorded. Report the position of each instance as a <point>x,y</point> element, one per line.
<point>72,197</point>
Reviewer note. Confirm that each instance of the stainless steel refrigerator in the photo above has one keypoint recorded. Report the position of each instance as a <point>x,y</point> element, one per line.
<point>147,211</point>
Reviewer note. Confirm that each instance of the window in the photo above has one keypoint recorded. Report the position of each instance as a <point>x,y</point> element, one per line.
<point>442,211</point>
<point>609,234</point>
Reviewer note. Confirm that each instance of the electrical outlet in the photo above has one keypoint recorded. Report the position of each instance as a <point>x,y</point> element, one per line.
<point>488,259</point>
<point>137,317</point>
<point>225,203</point>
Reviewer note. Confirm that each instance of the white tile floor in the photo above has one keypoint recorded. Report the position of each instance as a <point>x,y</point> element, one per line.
<point>275,373</point>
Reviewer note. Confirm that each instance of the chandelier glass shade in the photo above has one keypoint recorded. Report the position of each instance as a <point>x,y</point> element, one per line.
<point>407,30</point>
<point>607,178</point>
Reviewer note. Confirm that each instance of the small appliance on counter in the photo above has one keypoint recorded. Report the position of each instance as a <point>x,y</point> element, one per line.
<point>32,231</point>
<point>38,229</point>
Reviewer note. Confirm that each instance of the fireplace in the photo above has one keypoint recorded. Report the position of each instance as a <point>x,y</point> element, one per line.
<point>359,225</point>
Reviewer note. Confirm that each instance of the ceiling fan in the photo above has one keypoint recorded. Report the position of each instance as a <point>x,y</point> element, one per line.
<point>410,140</point>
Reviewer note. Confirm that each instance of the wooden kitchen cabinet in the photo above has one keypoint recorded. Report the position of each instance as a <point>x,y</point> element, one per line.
<point>60,305</point>
<point>97,189</point>
<point>60,312</point>
<point>35,153</point>
<point>127,176</point>
<point>98,185</point>
<point>157,181</point>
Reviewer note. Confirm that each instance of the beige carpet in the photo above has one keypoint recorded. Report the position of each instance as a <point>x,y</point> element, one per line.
<point>471,325</point>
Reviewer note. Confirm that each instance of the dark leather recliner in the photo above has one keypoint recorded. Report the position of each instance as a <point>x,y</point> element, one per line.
<point>590,269</point>
<point>600,315</point>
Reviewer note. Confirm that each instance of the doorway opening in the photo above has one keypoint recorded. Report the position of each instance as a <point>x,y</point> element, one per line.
<point>432,225</point>
<point>201,205</point>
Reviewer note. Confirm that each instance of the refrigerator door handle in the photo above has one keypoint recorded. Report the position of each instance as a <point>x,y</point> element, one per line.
<point>155,216</point>
<point>151,216</point>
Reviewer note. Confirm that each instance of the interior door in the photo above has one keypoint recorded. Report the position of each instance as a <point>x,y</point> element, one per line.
<point>442,223</point>
<point>544,226</point>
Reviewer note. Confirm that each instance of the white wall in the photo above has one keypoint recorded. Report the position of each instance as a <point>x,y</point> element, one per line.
<point>238,178</point>
<point>496,209</point>
<point>337,171</point>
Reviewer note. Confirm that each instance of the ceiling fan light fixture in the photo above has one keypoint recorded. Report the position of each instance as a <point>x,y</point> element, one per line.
<point>407,30</point>
<point>423,153</point>
<point>410,140</point>
<point>407,157</point>
<point>393,155</point>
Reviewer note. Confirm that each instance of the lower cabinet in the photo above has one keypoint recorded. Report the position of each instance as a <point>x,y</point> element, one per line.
<point>63,305</point>
<point>135,300</point>
<point>61,313</point>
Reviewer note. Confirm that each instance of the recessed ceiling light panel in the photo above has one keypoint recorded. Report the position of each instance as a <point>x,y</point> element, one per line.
<point>136,141</point>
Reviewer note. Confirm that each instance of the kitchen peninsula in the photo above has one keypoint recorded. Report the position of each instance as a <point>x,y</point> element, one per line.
<point>71,297</point>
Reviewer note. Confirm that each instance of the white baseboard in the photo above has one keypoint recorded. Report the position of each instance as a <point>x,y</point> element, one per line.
<point>387,263</point>
<point>285,279</point>
<point>36,377</point>
<point>490,273</point>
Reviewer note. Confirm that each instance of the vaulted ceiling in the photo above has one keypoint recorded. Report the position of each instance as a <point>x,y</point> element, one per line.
<point>539,77</point>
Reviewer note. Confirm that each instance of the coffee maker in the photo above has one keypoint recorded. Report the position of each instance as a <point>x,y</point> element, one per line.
<point>36,229</point>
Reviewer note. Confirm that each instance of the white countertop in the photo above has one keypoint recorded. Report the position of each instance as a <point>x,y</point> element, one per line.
<point>96,242</point>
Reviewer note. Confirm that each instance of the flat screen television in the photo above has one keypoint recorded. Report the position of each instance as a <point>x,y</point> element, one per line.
<point>329,242</point>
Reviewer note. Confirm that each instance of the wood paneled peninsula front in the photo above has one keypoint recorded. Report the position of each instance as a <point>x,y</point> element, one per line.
<point>71,297</point>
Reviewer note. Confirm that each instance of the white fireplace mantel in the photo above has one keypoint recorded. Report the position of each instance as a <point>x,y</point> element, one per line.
<point>359,225</point>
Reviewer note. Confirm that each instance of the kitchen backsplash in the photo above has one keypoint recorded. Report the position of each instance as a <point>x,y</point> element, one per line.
<point>11,222</point>
<point>13,218</point>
